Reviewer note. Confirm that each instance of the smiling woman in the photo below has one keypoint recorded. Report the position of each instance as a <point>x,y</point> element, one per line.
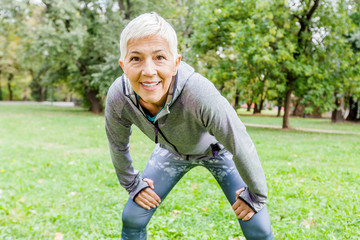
<point>192,124</point>
<point>150,68</point>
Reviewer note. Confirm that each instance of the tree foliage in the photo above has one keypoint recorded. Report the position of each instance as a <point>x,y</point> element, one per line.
<point>252,50</point>
<point>276,48</point>
<point>75,43</point>
<point>12,16</point>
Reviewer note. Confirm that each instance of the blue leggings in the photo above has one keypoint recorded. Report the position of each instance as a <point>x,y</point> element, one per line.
<point>166,169</point>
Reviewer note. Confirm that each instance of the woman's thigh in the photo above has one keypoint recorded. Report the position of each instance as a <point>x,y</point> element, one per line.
<point>165,169</point>
<point>225,172</point>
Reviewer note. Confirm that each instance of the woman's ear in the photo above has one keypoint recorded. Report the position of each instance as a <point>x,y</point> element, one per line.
<point>122,65</point>
<point>177,63</point>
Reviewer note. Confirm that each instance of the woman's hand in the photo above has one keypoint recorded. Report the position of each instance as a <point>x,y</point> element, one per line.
<point>241,209</point>
<point>147,198</point>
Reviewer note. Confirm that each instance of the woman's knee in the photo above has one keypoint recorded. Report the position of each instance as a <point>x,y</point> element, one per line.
<point>134,216</point>
<point>259,227</point>
<point>262,232</point>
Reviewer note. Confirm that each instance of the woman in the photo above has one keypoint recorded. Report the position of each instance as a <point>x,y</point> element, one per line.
<point>191,123</point>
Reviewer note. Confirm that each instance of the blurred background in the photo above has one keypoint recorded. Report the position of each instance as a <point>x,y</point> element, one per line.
<point>296,56</point>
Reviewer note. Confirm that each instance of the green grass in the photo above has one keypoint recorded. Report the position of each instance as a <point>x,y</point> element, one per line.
<point>297,122</point>
<point>56,177</point>
<point>272,112</point>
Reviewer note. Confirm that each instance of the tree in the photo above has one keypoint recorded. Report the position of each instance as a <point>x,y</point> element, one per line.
<point>352,85</point>
<point>279,48</point>
<point>250,36</point>
<point>75,42</point>
<point>12,16</point>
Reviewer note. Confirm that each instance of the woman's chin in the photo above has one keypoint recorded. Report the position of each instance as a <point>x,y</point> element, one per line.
<point>151,100</point>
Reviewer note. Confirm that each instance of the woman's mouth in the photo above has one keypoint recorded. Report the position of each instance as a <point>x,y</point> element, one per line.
<point>150,84</point>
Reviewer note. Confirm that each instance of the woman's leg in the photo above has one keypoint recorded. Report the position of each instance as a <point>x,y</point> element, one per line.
<point>165,169</point>
<point>225,172</point>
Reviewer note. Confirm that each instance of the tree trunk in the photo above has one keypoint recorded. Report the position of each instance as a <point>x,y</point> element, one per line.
<point>286,123</point>
<point>256,109</point>
<point>11,76</point>
<point>36,90</point>
<point>261,105</point>
<point>121,5</point>
<point>279,105</point>
<point>237,99</point>
<point>337,116</point>
<point>95,102</point>
<point>127,9</point>
<point>353,110</point>
<point>279,111</point>
<point>299,110</point>
<point>248,106</point>
<point>295,108</point>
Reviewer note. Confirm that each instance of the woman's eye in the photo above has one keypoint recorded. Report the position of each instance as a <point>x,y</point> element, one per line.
<point>134,59</point>
<point>160,57</point>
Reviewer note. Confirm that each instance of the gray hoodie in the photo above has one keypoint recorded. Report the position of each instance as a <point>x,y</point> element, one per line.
<point>194,119</point>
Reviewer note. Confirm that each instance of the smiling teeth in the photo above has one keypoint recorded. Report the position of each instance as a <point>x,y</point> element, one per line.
<point>151,84</point>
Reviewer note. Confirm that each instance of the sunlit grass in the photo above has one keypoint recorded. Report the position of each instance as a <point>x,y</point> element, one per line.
<point>268,117</point>
<point>57,179</point>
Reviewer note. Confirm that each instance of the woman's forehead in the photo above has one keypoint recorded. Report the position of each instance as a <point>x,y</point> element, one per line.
<point>152,44</point>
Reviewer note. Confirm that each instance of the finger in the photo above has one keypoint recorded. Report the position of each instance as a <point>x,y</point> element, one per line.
<point>147,198</point>
<point>238,192</point>
<point>241,207</point>
<point>248,216</point>
<point>148,201</point>
<point>141,203</point>
<point>236,204</point>
<point>154,196</point>
<point>142,197</point>
<point>242,214</point>
<point>150,182</point>
<point>238,211</point>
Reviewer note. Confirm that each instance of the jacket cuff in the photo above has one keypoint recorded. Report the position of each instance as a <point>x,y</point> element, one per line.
<point>141,186</point>
<point>256,203</point>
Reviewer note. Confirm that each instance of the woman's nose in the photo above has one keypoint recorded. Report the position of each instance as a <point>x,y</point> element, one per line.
<point>149,68</point>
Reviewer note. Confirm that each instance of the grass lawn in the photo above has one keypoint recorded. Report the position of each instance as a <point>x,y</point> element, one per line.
<point>298,122</point>
<point>57,182</point>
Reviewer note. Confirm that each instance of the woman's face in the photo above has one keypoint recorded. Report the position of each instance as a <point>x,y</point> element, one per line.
<point>150,67</point>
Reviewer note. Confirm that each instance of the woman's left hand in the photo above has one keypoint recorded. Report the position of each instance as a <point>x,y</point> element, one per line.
<point>241,209</point>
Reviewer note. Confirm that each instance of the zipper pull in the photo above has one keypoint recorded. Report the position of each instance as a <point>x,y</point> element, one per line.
<point>156,132</point>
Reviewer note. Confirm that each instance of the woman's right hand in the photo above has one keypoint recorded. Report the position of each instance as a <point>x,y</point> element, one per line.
<point>147,198</point>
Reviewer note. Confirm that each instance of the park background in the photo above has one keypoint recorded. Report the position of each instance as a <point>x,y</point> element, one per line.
<point>282,64</point>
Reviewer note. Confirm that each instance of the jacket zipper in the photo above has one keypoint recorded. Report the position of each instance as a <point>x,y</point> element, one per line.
<point>157,130</point>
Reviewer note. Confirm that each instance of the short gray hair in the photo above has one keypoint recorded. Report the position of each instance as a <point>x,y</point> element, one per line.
<point>146,25</point>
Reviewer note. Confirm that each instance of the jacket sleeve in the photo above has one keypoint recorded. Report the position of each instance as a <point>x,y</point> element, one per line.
<point>221,121</point>
<point>118,133</point>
